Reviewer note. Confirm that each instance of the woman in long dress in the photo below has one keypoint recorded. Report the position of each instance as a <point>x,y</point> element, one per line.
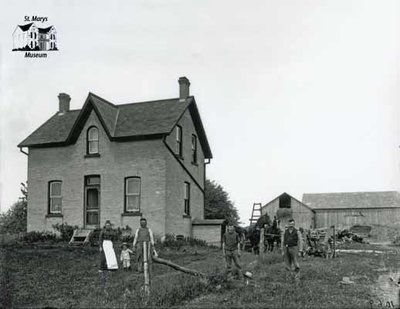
<point>108,259</point>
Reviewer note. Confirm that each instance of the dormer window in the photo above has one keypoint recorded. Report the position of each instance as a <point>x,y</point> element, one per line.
<point>93,140</point>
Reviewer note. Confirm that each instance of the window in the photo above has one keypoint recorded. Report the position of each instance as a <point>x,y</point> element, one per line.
<point>132,194</point>
<point>194,149</point>
<point>187,199</point>
<point>55,197</point>
<point>179,141</point>
<point>285,201</point>
<point>92,140</point>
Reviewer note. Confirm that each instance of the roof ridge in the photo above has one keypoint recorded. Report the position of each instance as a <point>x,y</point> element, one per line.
<point>352,192</point>
<point>29,24</point>
<point>144,102</point>
<point>104,100</point>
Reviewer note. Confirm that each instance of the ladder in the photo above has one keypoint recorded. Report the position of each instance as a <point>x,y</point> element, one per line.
<point>256,213</point>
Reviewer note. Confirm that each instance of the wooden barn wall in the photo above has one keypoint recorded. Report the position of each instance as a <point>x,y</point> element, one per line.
<point>345,218</point>
<point>303,216</point>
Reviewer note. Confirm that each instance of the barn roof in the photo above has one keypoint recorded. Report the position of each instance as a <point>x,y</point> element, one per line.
<point>121,122</point>
<point>348,200</point>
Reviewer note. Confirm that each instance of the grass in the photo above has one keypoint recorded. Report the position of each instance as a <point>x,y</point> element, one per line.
<point>61,276</point>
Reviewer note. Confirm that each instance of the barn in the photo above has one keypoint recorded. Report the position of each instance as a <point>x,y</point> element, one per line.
<point>354,208</point>
<point>285,207</point>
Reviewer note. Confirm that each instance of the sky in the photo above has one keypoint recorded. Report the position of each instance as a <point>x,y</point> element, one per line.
<point>295,96</point>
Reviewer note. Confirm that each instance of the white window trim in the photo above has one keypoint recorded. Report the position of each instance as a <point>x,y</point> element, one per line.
<point>132,194</point>
<point>54,196</point>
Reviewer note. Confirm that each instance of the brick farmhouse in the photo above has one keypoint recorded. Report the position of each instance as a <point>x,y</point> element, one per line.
<point>121,163</point>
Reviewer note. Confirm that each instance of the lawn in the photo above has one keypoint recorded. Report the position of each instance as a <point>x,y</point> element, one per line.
<point>62,276</point>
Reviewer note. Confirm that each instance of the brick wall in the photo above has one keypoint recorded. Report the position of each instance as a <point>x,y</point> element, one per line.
<point>176,222</point>
<point>162,201</point>
<point>145,159</point>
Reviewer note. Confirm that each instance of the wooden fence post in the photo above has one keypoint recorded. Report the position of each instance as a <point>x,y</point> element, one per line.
<point>334,241</point>
<point>262,247</point>
<point>146,268</point>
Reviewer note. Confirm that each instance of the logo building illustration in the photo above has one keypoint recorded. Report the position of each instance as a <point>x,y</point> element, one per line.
<point>29,37</point>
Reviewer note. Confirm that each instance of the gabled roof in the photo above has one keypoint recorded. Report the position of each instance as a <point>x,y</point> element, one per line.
<point>345,200</point>
<point>284,193</point>
<point>45,30</point>
<point>25,27</point>
<point>121,122</point>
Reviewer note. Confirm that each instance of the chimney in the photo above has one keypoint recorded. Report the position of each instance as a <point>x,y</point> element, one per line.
<point>184,85</point>
<point>64,100</point>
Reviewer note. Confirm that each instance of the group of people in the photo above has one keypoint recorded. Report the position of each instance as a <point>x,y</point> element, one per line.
<point>291,245</point>
<point>291,248</point>
<point>107,254</point>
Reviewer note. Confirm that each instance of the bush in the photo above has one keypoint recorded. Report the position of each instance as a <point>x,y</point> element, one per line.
<point>173,241</point>
<point>66,231</point>
<point>94,237</point>
<point>35,236</point>
<point>125,234</point>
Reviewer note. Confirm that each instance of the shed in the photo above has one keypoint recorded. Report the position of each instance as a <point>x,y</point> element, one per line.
<point>210,230</point>
<point>346,209</point>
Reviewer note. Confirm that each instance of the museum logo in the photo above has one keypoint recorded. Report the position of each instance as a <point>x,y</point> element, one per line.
<point>35,41</point>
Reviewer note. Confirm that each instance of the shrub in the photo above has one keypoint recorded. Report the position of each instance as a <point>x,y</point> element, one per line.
<point>35,236</point>
<point>125,234</point>
<point>94,237</point>
<point>66,231</point>
<point>174,241</point>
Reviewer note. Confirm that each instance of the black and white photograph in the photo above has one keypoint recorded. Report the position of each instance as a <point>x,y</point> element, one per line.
<point>200,154</point>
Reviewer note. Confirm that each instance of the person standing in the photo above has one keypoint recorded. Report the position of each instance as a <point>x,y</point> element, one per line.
<point>126,256</point>
<point>143,234</point>
<point>106,237</point>
<point>291,245</point>
<point>231,249</point>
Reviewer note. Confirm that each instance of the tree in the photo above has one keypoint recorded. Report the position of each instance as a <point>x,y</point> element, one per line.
<point>217,203</point>
<point>14,220</point>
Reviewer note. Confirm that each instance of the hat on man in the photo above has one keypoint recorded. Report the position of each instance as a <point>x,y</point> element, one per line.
<point>291,222</point>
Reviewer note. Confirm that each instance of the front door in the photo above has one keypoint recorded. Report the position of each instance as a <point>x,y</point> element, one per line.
<point>92,201</point>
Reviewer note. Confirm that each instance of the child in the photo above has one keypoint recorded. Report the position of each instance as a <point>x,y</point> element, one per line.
<point>126,256</point>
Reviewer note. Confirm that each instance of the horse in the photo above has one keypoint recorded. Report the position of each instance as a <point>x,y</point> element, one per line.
<point>253,236</point>
<point>272,235</point>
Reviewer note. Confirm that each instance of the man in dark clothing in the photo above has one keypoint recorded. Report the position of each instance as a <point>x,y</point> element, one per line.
<point>231,249</point>
<point>144,234</point>
<point>291,245</point>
